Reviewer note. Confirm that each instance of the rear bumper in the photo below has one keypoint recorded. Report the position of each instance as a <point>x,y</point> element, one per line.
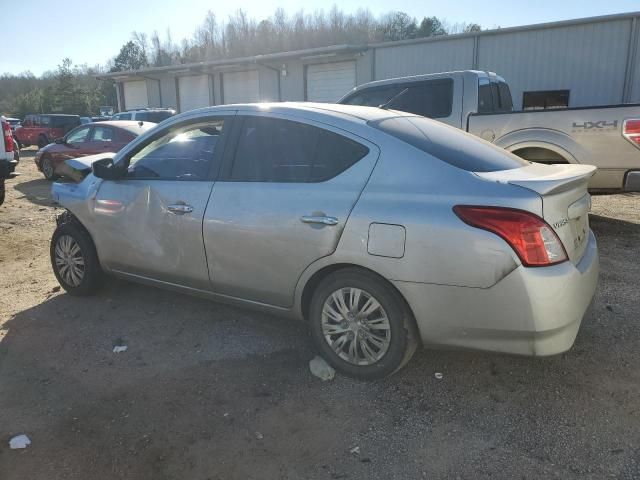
<point>532,311</point>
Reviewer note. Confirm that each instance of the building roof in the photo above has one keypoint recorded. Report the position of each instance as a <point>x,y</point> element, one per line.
<point>333,50</point>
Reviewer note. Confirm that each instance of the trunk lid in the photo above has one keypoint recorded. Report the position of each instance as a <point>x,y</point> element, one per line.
<point>565,200</point>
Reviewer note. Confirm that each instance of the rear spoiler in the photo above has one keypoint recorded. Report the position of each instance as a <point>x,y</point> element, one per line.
<point>543,179</point>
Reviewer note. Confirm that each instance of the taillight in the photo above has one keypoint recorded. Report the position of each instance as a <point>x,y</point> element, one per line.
<point>8,137</point>
<point>533,240</point>
<point>631,130</point>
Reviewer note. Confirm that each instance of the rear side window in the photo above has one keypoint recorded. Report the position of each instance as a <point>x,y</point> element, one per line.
<point>432,98</point>
<point>373,97</point>
<point>493,97</point>
<point>276,150</point>
<point>449,144</point>
<point>155,117</point>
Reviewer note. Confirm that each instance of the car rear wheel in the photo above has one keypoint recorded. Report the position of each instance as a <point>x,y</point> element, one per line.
<point>74,260</point>
<point>1,191</point>
<point>47,169</point>
<point>361,325</point>
<point>42,141</point>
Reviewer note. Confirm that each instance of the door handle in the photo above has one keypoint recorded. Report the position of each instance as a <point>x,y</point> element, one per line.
<point>322,219</point>
<point>180,208</point>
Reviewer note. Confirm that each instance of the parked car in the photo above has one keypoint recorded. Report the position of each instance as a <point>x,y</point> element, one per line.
<point>41,130</point>
<point>100,119</point>
<point>8,160</point>
<point>13,123</point>
<point>85,120</point>
<point>480,103</point>
<point>84,140</point>
<point>383,230</point>
<point>155,115</point>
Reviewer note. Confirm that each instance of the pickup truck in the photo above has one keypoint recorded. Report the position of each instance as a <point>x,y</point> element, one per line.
<point>8,159</point>
<point>480,103</point>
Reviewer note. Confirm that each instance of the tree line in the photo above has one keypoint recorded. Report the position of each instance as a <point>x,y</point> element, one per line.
<point>74,89</point>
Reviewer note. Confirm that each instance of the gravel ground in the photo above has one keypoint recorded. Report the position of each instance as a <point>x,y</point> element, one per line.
<point>207,391</point>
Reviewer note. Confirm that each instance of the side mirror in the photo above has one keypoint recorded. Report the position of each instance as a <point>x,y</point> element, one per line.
<point>106,169</point>
<point>60,141</point>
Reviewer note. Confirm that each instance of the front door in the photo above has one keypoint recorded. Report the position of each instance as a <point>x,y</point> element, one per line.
<point>281,203</point>
<point>150,223</point>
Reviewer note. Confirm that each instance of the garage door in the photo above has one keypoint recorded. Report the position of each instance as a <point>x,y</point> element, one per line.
<point>193,92</point>
<point>241,87</point>
<point>328,82</point>
<point>135,95</point>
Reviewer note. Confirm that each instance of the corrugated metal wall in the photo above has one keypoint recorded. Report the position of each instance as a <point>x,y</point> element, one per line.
<point>428,57</point>
<point>589,60</point>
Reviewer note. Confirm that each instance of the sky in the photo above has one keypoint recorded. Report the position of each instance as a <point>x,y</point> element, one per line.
<point>41,35</point>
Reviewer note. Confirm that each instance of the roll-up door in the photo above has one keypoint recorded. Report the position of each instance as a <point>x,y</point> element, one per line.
<point>328,82</point>
<point>135,95</point>
<point>193,92</point>
<point>241,87</point>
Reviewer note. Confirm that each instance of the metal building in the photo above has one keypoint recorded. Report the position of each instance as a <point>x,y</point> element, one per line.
<point>590,61</point>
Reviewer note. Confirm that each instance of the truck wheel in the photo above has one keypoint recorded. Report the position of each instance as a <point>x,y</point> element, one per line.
<point>1,191</point>
<point>47,169</point>
<point>42,141</point>
<point>361,325</point>
<point>74,260</point>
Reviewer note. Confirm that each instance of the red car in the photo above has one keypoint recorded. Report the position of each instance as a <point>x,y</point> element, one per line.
<point>43,129</point>
<point>89,139</point>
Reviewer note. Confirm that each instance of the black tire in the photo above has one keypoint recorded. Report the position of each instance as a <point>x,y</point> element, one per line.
<point>403,332</point>
<point>16,152</point>
<point>92,275</point>
<point>47,168</point>
<point>1,191</point>
<point>42,141</point>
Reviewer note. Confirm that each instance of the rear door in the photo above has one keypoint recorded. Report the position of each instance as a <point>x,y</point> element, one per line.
<point>282,201</point>
<point>150,223</point>
<point>102,139</point>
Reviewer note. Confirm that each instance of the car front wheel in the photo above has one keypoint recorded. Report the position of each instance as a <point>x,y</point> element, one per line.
<point>74,260</point>
<point>361,325</point>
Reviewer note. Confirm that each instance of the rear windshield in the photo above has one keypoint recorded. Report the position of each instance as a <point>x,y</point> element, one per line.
<point>155,117</point>
<point>449,144</point>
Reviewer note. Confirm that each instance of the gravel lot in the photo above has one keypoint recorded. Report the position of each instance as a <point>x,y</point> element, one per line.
<point>207,391</point>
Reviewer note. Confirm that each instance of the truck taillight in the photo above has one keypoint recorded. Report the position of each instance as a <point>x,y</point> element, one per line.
<point>533,240</point>
<point>8,137</point>
<point>631,130</point>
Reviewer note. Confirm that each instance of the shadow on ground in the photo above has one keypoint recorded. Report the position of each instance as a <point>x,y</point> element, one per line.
<point>210,391</point>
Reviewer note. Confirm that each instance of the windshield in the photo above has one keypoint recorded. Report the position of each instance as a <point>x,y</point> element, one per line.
<point>449,144</point>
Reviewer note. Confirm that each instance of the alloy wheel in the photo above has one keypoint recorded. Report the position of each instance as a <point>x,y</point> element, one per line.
<point>356,326</point>
<point>69,260</point>
<point>47,168</point>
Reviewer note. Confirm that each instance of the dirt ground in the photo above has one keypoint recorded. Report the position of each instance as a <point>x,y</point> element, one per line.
<point>207,391</point>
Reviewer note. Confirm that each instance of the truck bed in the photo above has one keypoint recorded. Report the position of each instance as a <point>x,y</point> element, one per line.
<point>587,135</point>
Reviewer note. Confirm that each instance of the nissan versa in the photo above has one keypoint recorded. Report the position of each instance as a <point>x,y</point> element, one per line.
<point>383,230</point>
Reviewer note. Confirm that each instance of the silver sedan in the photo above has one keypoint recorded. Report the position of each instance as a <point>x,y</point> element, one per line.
<point>382,230</point>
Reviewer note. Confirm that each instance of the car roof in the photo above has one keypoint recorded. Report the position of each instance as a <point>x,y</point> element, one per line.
<point>133,126</point>
<point>356,113</point>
